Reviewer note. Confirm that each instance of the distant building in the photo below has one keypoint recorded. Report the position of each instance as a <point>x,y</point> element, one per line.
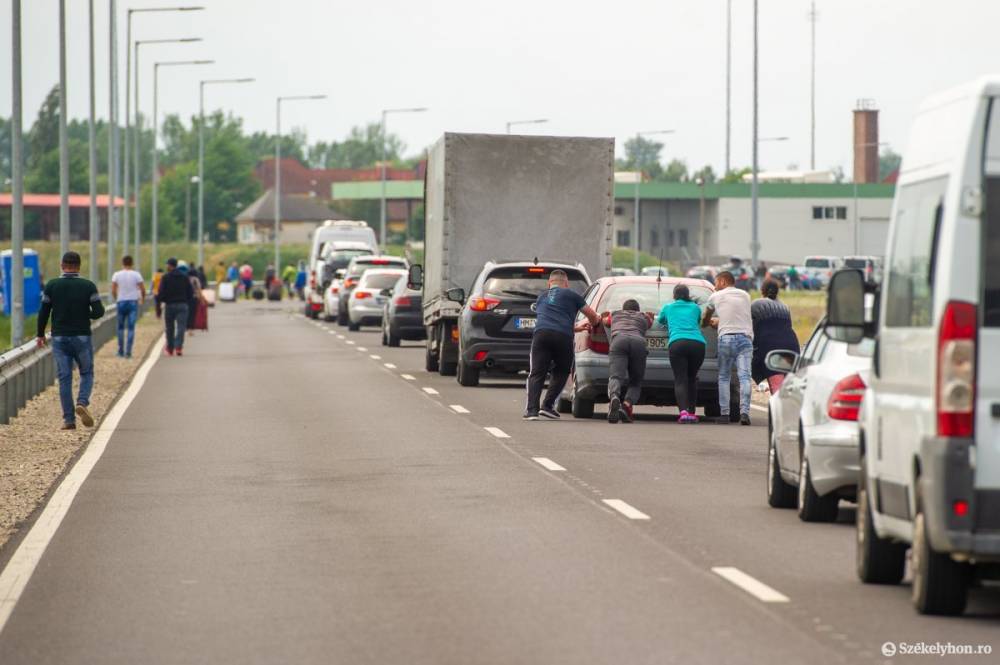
<point>46,207</point>
<point>300,215</point>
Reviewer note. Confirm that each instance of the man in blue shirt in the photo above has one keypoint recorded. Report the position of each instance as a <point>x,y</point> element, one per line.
<point>552,343</point>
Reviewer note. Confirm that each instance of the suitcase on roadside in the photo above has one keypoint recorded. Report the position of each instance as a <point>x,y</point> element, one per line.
<point>227,291</point>
<point>257,293</point>
<point>274,291</point>
<point>201,317</point>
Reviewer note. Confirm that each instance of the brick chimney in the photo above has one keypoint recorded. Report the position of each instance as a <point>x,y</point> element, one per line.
<point>865,142</point>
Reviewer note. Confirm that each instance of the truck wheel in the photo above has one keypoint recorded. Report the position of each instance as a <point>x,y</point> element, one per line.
<point>940,584</point>
<point>813,507</point>
<point>446,367</point>
<point>391,339</point>
<point>342,318</point>
<point>878,560</point>
<point>564,405</point>
<point>779,493</point>
<point>467,376</point>
<point>430,360</point>
<point>582,408</point>
<point>353,327</point>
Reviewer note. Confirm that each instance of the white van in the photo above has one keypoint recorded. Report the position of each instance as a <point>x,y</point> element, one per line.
<point>930,420</point>
<point>330,231</point>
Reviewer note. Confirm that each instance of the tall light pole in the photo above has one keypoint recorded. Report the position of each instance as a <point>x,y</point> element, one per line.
<point>385,112</point>
<point>754,184</point>
<point>155,230</point>
<point>128,103</point>
<point>277,175</point>
<point>201,160</point>
<point>113,176</point>
<point>94,226</point>
<point>511,123</point>
<point>636,203</point>
<point>63,137</point>
<point>857,216</point>
<point>137,163</point>
<point>812,90</point>
<point>729,92</point>
<point>17,185</point>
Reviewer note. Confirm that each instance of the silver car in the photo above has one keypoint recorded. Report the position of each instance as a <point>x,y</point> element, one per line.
<point>364,307</point>
<point>812,459</point>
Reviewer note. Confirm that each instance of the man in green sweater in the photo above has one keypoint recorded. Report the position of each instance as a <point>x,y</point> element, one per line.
<point>72,302</point>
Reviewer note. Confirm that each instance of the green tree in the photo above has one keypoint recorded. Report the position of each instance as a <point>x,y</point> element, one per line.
<point>44,134</point>
<point>361,149</point>
<point>644,155</point>
<point>736,175</point>
<point>888,162</point>
<point>676,171</point>
<point>705,173</point>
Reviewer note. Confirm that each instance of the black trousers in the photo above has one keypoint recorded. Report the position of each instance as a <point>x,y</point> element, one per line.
<point>627,367</point>
<point>549,349</point>
<point>686,357</point>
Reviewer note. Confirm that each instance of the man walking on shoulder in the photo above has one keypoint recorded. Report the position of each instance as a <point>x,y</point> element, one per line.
<point>174,294</point>
<point>729,311</point>
<point>552,343</point>
<point>128,291</point>
<point>72,302</point>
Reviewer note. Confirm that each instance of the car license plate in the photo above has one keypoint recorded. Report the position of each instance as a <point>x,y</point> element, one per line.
<point>653,343</point>
<point>524,324</point>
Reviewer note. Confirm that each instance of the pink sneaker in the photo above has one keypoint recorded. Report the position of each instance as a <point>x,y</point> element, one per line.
<point>683,418</point>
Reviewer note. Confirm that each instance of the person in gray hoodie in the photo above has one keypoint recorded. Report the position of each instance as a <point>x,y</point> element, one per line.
<point>627,332</point>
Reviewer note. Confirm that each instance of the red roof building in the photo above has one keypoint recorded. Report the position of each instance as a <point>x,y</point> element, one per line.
<point>46,207</point>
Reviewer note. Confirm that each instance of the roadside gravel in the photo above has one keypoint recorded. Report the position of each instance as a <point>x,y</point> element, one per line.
<point>34,452</point>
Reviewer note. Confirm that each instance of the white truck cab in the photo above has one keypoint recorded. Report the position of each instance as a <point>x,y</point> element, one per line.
<point>930,420</point>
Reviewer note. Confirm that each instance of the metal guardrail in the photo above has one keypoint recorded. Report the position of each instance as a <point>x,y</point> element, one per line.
<point>26,370</point>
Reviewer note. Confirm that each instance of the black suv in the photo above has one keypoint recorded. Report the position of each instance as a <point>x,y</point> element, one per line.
<point>498,317</point>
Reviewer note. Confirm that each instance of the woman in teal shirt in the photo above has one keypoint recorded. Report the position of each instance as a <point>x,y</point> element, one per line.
<point>686,346</point>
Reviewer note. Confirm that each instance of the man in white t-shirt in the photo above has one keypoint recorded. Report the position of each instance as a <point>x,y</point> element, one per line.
<point>129,292</point>
<point>729,310</point>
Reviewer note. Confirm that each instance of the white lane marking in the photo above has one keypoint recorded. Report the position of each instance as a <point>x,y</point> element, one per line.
<point>497,432</point>
<point>751,585</point>
<point>339,336</point>
<point>375,357</point>
<point>351,342</point>
<point>430,391</point>
<point>362,349</point>
<point>16,575</point>
<point>408,377</point>
<point>758,407</point>
<point>549,464</point>
<point>626,510</point>
<point>389,365</point>
<point>458,408</point>
<point>331,332</point>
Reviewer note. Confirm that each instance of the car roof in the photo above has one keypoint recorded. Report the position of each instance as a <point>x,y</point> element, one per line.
<point>541,263</point>
<point>374,272</point>
<point>645,279</point>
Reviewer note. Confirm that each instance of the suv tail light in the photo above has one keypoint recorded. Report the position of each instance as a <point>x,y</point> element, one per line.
<point>403,301</point>
<point>956,370</point>
<point>483,304</point>
<point>845,400</point>
<point>361,295</point>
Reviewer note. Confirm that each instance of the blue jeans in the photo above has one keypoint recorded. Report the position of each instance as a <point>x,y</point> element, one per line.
<point>66,350</point>
<point>735,349</point>
<point>128,310</point>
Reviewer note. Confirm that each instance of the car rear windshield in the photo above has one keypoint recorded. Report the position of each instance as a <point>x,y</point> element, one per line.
<point>379,281</point>
<point>340,258</point>
<point>860,264</point>
<point>527,282</point>
<point>651,297</point>
<point>817,263</point>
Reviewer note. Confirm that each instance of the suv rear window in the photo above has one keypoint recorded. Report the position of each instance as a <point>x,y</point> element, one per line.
<point>340,258</point>
<point>817,263</point>
<point>651,297</point>
<point>379,281</point>
<point>527,282</point>
<point>860,264</point>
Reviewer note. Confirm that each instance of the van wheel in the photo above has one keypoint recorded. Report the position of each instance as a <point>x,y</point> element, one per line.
<point>940,584</point>
<point>877,560</point>
<point>467,376</point>
<point>430,360</point>
<point>353,327</point>
<point>779,493</point>
<point>392,340</point>
<point>564,405</point>
<point>582,408</point>
<point>813,507</point>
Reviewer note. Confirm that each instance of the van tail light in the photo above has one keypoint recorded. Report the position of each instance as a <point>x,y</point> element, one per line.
<point>598,342</point>
<point>403,301</point>
<point>483,304</point>
<point>349,282</point>
<point>361,295</point>
<point>956,370</point>
<point>845,400</point>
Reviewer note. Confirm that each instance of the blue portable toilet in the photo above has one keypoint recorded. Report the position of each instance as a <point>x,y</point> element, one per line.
<point>32,283</point>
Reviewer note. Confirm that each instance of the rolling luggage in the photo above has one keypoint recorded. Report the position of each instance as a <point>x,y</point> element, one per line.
<point>274,290</point>
<point>227,291</point>
<point>201,317</point>
<point>257,293</point>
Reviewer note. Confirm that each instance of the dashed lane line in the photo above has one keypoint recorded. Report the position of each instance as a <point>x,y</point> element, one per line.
<point>497,432</point>
<point>408,377</point>
<point>458,408</point>
<point>351,342</point>
<point>375,357</point>
<point>362,349</point>
<point>548,464</point>
<point>430,391</point>
<point>339,336</point>
<point>751,585</point>
<point>389,365</point>
<point>625,509</point>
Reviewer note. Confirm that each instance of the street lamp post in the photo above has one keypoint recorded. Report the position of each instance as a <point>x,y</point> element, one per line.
<point>636,203</point>
<point>63,137</point>
<point>17,184</point>
<point>754,185</point>
<point>94,225</point>
<point>277,174</point>
<point>113,182</point>
<point>154,256</point>
<point>187,207</point>
<point>386,112</point>
<point>138,139</point>
<point>201,160</point>
<point>511,123</point>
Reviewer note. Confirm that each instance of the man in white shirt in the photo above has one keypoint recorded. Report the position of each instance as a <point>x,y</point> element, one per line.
<point>129,292</point>
<point>729,310</point>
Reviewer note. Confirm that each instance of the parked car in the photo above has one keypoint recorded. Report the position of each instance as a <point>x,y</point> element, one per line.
<point>812,457</point>
<point>402,314</point>
<point>498,317</point>
<point>331,296</point>
<point>352,274</point>
<point>365,303</point>
<point>653,271</point>
<point>930,420</point>
<point>621,272</point>
<point>871,266</point>
<point>588,383</point>
<point>821,268</point>
<point>706,273</point>
<point>356,233</point>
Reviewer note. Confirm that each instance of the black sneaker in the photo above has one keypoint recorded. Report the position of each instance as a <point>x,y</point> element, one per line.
<point>614,410</point>
<point>723,419</point>
<point>744,419</point>
<point>548,412</point>
<point>530,415</point>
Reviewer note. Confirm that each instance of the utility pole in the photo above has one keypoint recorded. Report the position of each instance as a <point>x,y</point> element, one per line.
<point>754,184</point>
<point>277,176</point>
<point>385,112</point>
<point>812,91</point>
<point>95,226</point>
<point>17,185</point>
<point>729,92</point>
<point>63,138</point>
<point>112,137</point>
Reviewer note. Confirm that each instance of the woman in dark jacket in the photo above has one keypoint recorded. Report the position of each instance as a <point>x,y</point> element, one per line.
<point>772,330</point>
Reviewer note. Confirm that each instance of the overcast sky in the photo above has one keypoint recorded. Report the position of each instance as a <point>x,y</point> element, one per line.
<point>593,68</point>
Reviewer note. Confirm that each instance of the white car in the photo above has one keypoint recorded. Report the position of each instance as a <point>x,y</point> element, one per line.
<point>821,268</point>
<point>331,296</point>
<point>364,306</point>
<point>930,420</point>
<point>812,455</point>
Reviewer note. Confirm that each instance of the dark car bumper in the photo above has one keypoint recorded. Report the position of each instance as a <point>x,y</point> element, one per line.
<point>507,355</point>
<point>407,325</point>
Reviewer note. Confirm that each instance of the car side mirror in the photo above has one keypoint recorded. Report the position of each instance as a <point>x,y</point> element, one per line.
<point>415,277</point>
<point>781,361</point>
<point>845,307</point>
<point>457,294</point>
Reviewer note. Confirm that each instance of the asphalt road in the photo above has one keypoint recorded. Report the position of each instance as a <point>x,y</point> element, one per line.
<point>279,495</point>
